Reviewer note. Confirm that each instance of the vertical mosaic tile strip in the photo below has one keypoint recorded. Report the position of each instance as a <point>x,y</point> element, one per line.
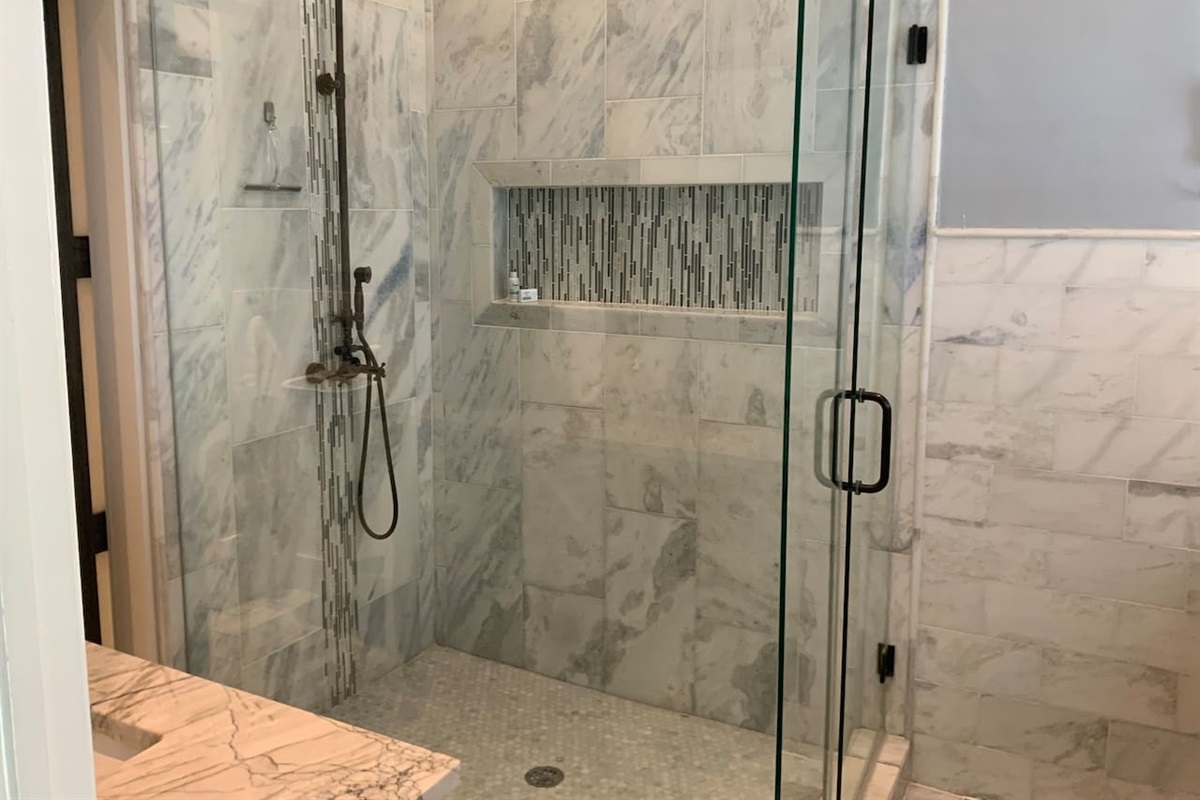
<point>710,246</point>
<point>339,606</point>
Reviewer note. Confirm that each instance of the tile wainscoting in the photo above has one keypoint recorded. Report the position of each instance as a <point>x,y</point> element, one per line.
<point>1058,654</point>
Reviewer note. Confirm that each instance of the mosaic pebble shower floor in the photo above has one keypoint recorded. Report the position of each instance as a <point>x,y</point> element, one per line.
<point>501,721</point>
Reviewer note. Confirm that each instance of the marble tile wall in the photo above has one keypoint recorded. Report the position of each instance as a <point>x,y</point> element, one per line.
<point>654,407</point>
<point>638,553</point>
<point>1059,628</point>
<point>231,311</point>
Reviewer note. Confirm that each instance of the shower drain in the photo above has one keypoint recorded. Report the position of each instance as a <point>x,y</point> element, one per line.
<point>544,777</point>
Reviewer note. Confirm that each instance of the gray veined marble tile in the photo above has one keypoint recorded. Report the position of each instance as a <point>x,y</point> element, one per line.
<point>1052,782</point>
<point>835,38</point>
<point>479,587</point>
<point>1168,386</point>
<point>997,315</point>
<point>1166,451</point>
<point>473,61</point>
<point>1173,265</point>
<point>1163,514</point>
<point>203,440</point>
<point>294,674</point>
<point>562,498</point>
<point>562,367</point>
<point>153,280</point>
<point>481,399</point>
<point>181,39</point>
<point>560,79</point>
<point>377,99</point>
<point>969,260</point>
<point>277,496</point>
<point>991,434</point>
<point>736,671</point>
<point>459,138</point>
<point>595,318</point>
<point>418,166</point>
<point>564,636</point>
<point>953,602</point>
<point>388,629</point>
<point>1043,733</point>
<point>742,383</point>
<point>1075,262</point>
<point>167,480</point>
<point>1145,321</point>
<point>1129,571</point>
<point>1158,637</point>
<point>658,127</point>
<point>189,148</point>
<point>422,253</point>
<point>1114,689</point>
<point>384,566</point>
<point>269,346</point>
<point>750,76</point>
<point>210,609</point>
<point>650,607</point>
<point>957,490</point>
<point>651,399</point>
<point>978,771</point>
<point>952,658</point>
<point>739,525</point>
<point>1152,756</point>
<point>383,241</point>
<point>1041,616</point>
<point>963,373</point>
<point>1057,502</point>
<point>945,711</point>
<point>1102,382</point>
<point>266,249</point>
<point>654,49</point>
<point>258,58</point>
<point>597,172</point>
<point>986,552</point>
<point>675,324</point>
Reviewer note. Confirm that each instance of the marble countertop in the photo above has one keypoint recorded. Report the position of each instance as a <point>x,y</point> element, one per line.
<point>161,733</point>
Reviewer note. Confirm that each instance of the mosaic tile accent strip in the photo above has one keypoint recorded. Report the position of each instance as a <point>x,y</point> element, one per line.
<point>333,407</point>
<point>707,246</point>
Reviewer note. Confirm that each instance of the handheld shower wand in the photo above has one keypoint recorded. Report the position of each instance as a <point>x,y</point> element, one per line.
<point>374,370</point>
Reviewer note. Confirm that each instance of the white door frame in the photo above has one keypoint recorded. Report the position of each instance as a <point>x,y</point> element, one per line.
<point>44,718</point>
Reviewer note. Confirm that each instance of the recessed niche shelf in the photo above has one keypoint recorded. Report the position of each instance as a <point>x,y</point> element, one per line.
<point>705,246</point>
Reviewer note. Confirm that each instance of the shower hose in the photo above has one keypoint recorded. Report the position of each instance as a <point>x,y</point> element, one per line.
<point>374,372</point>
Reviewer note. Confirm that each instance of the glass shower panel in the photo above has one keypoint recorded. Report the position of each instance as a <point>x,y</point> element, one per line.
<point>235,202</point>
<point>608,479</point>
<point>881,235</point>
<point>384,49</point>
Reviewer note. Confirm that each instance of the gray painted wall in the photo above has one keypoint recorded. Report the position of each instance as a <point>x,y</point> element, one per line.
<point>1074,114</point>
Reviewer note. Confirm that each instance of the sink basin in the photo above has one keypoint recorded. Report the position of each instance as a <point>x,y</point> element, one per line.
<point>114,743</point>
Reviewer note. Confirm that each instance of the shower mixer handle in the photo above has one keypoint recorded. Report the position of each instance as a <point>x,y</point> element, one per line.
<point>361,275</point>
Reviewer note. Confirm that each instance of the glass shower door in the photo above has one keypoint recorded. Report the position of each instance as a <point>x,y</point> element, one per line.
<point>845,511</point>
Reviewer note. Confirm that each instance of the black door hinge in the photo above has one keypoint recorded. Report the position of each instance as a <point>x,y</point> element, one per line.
<point>918,44</point>
<point>885,661</point>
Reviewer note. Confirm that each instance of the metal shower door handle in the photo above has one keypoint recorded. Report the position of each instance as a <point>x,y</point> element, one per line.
<point>885,453</point>
<point>885,444</point>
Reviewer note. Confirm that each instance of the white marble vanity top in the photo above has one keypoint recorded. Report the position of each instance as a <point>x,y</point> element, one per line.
<point>196,739</point>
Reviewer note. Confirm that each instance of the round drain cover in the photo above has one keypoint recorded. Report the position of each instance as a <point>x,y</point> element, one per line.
<point>544,777</point>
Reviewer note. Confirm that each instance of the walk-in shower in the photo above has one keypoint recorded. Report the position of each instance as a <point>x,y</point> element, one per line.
<point>640,531</point>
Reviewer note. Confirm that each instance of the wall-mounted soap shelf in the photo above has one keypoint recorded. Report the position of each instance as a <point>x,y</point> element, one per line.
<point>270,187</point>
